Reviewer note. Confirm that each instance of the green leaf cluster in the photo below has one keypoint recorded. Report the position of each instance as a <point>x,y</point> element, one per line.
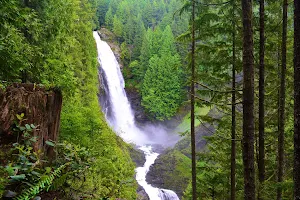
<point>45,182</point>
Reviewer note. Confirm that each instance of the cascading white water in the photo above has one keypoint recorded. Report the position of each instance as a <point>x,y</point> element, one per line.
<point>122,119</point>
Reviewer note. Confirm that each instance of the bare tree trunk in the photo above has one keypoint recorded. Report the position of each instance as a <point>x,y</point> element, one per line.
<point>193,140</point>
<point>297,100</point>
<point>248,102</point>
<point>282,102</point>
<point>233,101</point>
<point>261,125</point>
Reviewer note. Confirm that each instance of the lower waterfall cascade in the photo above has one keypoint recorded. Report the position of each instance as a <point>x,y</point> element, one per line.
<point>120,117</point>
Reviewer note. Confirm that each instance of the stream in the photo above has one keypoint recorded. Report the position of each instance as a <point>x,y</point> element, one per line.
<point>120,117</point>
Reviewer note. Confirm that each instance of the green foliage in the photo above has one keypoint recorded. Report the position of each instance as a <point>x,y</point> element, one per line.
<point>26,167</point>
<point>13,44</point>
<point>3,180</point>
<point>117,27</point>
<point>211,181</point>
<point>168,42</point>
<point>185,125</point>
<point>138,37</point>
<point>125,54</point>
<point>44,183</point>
<point>214,48</point>
<point>161,91</point>
<point>86,166</point>
<point>23,163</point>
<point>109,18</point>
<point>146,53</point>
<point>162,86</point>
<point>111,172</point>
<point>101,9</point>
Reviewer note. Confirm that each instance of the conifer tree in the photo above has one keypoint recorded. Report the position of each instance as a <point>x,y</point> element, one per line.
<point>261,159</point>
<point>109,19</point>
<point>161,90</point>
<point>281,123</point>
<point>140,31</point>
<point>168,45</point>
<point>146,51</point>
<point>192,98</point>
<point>248,102</point>
<point>117,27</point>
<point>233,109</point>
<point>297,100</point>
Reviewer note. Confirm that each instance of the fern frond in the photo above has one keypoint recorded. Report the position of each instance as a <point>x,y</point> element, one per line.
<point>41,185</point>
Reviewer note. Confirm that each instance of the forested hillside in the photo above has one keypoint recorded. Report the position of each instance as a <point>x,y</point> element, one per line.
<point>50,43</point>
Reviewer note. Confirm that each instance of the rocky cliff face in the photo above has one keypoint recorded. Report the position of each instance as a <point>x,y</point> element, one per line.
<point>137,156</point>
<point>111,40</point>
<point>135,98</point>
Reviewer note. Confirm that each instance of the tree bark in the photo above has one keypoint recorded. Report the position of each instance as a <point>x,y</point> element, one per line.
<point>233,101</point>
<point>40,107</point>
<point>193,140</point>
<point>282,102</point>
<point>297,100</point>
<point>248,102</point>
<point>261,125</point>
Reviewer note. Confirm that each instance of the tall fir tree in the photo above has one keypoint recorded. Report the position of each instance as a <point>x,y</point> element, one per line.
<point>248,101</point>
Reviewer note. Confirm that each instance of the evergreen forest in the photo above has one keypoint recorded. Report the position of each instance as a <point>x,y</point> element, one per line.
<point>213,84</point>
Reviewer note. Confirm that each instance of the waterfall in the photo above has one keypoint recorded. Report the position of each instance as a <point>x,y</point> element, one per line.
<point>122,120</point>
<point>167,194</point>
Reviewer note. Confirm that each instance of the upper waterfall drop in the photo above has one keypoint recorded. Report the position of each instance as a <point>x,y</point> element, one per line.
<point>123,122</point>
<point>122,119</point>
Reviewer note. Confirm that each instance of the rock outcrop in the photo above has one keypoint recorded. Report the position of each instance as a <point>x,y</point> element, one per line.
<point>137,156</point>
<point>171,170</point>
<point>135,99</point>
<point>111,40</point>
<point>141,194</point>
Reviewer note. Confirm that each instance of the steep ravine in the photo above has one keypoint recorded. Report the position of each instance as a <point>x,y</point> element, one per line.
<point>119,115</point>
<point>172,167</point>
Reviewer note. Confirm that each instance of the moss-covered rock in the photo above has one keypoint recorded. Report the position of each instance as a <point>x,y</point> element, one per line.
<point>171,170</point>
<point>141,194</point>
<point>184,145</point>
<point>137,156</point>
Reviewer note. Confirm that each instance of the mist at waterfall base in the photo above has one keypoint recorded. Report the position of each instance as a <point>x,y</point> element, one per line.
<point>146,134</point>
<point>120,116</point>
